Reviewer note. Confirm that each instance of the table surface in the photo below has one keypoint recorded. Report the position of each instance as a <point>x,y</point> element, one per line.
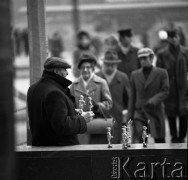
<point>101,147</point>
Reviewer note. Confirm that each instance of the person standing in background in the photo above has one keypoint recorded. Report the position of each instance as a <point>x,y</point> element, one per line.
<point>56,45</point>
<point>119,86</point>
<point>127,53</point>
<point>89,84</point>
<point>83,45</point>
<point>174,58</point>
<point>149,88</point>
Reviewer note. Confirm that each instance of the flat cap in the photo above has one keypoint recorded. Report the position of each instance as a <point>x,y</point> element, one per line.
<point>87,57</point>
<point>145,52</point>
<point>56,62</point>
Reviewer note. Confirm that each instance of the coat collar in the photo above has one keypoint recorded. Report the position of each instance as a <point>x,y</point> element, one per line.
<point>57,78</point>
<point>151,76</point>
<point>115,80</point>
<point>90,87</point>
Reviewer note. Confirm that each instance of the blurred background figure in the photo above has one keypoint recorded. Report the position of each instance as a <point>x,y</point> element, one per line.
<point>97,44</point>
<point>174,58</point>
<point>89,84</point>
<point>111,43</point>
<point>163,42</point>
<point>25,41</point>
<point>149,88</point>
<point>83,45</point>
<point>119,86</point>
<point>182,36</point>
<point>56,45</point>
<point>127,53</point>
<point>17,41</point>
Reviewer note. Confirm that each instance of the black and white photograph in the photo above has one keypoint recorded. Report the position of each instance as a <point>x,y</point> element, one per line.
<point>93,89</point>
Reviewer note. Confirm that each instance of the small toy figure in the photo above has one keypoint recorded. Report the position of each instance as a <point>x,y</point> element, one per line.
<point>144,136</point>
<point>128,136</point>
<point>90,104</point>
<point>124,138</point>
<point>81,104</point>
<point>109,137</point>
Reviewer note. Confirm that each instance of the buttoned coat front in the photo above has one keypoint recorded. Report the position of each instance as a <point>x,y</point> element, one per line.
<point>155,89</point>
<point>97,89</point>
<point>129,61</point>
<point>120,91</point>
<point>175,104</point>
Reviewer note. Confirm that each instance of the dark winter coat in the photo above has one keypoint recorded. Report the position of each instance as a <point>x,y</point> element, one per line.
<point>120,91</point>
<point>177,69</point>
<point>155,89</point>
<point>129,62</point>
<point>52,117</point>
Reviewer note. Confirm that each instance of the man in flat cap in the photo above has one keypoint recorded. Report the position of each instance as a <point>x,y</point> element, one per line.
<point>52,117</point>
<point>89,84</point>
<point>127,53</point>
<point>149,88</point>
<point>174,58</point>
<point>119,86</point>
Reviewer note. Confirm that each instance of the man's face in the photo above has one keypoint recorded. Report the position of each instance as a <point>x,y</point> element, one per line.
<point>62,72</point>
<point>109,68</point>
<point>85,41</point>
<point>146,61</point>
<point>86,70</point>
<point>174,40</point>
<point>125,41</point>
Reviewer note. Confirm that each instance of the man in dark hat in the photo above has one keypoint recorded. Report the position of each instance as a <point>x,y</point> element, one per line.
<point>52,117</point>
<point>89,84</point>
<point>127,53</point>
<point>118,83</point>
<point>174,58</point>
<point>149,88</point>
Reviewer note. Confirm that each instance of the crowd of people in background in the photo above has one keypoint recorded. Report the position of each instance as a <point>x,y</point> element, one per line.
<point>164,97</point>
<point>124,77</point>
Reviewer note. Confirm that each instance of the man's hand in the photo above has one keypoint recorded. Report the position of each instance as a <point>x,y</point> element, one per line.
<point>149,104</point>
<point>88,116</point>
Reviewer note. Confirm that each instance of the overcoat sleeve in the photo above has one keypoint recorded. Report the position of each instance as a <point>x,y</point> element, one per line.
<point>106,98</point>
<point>132,100</point>
<point>127,91</point>
<point>58,110</point>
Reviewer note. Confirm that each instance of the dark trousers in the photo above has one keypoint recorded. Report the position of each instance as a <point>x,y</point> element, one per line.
<point>137,132</point>
<point>174,130</point>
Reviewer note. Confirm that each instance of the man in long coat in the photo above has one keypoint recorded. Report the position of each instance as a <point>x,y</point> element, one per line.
<point>119,86</point>
<point>127,53</point>
<point>174,58</point>
<point>149,88</point>
<point>52,117</point>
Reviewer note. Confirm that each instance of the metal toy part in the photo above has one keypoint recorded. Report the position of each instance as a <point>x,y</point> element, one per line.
<point>109,137</point>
